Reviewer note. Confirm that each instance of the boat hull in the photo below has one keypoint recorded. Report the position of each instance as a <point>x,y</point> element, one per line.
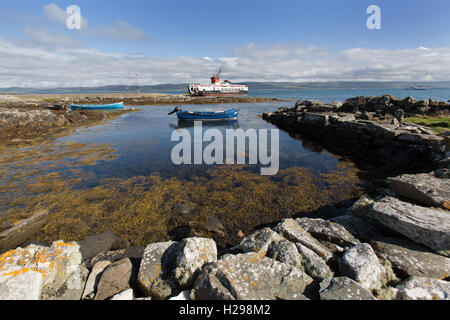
<point>118,105</point>
<point>208,116</point>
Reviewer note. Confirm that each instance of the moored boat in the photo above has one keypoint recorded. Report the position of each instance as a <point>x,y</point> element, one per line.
<point>217,88</point>
<point>232,114</point>
<point>118,105</point>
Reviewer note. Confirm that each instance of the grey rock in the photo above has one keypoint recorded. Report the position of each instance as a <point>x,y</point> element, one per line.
<point>117,277</point>
<point>73,287</point>
<point>155,278</point>
<point>412,260</point>
<point>429,227</point>
<point>104,242</point>
<point>250,277</point>
<point>361,264</point>
<point>192,255</point>
<point>25,286</point>
<point>424,289</point>
<point>313,265</point>
<point>61,276</point>
<point>286,252</point>
<point>290,230</point>
<point>133,253</point>
<point>328,231</point>
<point>126,295</point>
<point>93,279</point>
<point>358,227</point>
<point>422,188</point>
<point>14,236</point>
<point>344,288</point>
<point>259,241</point>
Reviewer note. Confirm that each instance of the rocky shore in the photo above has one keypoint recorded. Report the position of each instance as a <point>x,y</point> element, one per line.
<point>31,116</point>
<point>23,125</point>
<point>393,244</point>
<point>388,247</point>
<point>370,128</point>
<point>130,99</point>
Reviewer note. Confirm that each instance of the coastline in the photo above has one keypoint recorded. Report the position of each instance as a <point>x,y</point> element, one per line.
<point>391,244</point>
<point>24,118</point>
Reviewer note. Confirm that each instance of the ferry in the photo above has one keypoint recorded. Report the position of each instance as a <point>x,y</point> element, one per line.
<point>217,88</point>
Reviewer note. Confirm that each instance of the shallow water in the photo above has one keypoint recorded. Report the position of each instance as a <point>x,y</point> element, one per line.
<point>118,176</point>
<point>143,142</point>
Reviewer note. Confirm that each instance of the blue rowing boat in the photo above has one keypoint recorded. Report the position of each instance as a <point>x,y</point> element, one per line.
<point>232,114</point>
<point>118,105</point>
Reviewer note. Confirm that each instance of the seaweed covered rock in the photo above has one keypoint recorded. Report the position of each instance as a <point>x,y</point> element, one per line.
<point>250,277</point>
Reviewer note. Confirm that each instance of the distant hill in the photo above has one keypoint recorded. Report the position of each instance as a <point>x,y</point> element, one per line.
<point>252,85</point>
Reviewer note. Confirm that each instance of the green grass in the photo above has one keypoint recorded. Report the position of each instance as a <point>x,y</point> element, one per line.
<point>51,100</point>
<point>438,124</point>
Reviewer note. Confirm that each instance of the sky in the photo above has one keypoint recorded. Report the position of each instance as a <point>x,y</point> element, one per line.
<point>182,41</point>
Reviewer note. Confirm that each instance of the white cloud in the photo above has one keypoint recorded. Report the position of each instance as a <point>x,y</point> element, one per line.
<point>43,37</point>
<point>121,30</point>
<point>33,66</point>
<point>53,13</point>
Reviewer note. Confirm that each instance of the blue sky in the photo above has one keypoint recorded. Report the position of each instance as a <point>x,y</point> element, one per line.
<point>254,40</point>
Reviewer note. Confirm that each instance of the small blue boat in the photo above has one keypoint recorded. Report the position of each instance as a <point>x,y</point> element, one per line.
<point>118,105</point>
<point>232,114</point>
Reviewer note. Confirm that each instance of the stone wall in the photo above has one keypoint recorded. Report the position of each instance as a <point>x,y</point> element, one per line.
<point>380,136</point>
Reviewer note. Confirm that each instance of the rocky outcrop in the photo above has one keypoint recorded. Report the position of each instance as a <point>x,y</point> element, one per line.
<point>411,260</point>
<point>423,188</point>
<point>426,226</point>
<point>374,128</point>
<point>250,277</point>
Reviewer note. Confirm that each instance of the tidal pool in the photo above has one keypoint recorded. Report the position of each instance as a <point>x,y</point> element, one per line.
<point>119,176</point>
